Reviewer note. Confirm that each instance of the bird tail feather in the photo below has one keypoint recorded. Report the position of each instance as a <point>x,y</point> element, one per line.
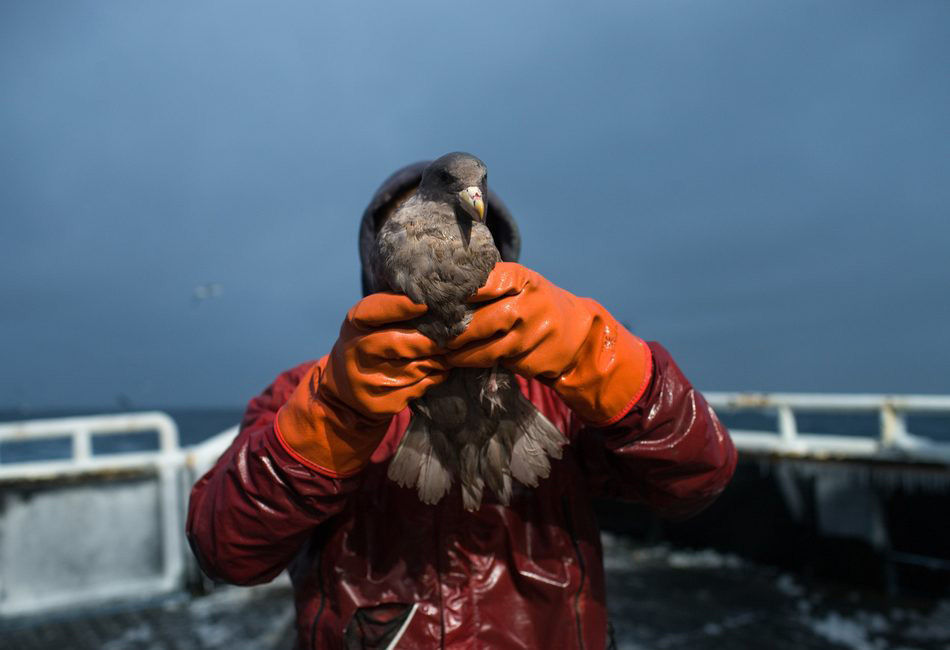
<point>470,477</point>
<point>535,439</point>
<point>423,461</point>
<point>494,463</point>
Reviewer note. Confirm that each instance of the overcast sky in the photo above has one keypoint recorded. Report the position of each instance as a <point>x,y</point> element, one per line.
<point>764,187</point>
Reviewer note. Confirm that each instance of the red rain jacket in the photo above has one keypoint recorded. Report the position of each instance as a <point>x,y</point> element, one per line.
<point>373,567</point>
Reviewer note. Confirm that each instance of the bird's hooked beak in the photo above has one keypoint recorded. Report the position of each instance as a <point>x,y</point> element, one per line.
<point>473,202</point>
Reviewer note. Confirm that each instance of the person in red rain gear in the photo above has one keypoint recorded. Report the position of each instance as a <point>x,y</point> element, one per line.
<point>303,487</point>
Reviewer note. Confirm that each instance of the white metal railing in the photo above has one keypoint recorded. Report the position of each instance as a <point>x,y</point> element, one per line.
<point>202,456</point>
<point>166,463</point>
<point>892,440</point>
<point>80,430</point>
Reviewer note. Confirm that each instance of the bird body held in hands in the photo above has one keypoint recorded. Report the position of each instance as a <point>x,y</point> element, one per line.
<point>476,426</point>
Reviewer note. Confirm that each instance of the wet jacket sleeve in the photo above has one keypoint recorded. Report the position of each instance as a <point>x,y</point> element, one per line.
<point>669,452</point>
<point>249,515</point>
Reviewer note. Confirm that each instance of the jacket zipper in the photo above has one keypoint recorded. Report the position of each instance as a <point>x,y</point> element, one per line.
<point>581,566</point>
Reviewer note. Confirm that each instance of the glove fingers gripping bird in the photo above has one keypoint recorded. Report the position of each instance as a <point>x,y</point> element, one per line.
<point>476,425</point>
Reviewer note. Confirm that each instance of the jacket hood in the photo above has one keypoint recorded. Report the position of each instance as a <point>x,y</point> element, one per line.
<point>399,187</point>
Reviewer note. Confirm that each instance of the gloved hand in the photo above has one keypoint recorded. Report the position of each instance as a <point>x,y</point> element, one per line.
<point>572,344</point>
<point>341,409</point>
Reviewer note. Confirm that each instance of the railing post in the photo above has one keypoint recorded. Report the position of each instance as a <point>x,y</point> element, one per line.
<point>82,445</point>
<point>787,427</point>
<point>893,425</point>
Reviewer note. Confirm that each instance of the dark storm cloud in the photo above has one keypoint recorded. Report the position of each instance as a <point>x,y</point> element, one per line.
<point>760,186</point>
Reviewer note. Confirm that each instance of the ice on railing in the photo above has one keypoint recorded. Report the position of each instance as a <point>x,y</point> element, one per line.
<point>888,478</point>
<point>81,498</point>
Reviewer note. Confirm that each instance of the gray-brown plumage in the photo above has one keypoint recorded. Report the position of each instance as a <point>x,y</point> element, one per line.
<point>477,425</point>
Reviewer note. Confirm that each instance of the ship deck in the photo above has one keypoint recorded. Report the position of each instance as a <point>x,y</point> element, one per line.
<point>659,597</point>
<point>870,492</point>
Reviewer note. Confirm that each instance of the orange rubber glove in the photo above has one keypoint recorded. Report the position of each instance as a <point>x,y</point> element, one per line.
<point>572,344</point>
<point>340,411</point>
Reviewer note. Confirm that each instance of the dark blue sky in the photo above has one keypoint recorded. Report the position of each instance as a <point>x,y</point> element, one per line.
<point>761,186</point>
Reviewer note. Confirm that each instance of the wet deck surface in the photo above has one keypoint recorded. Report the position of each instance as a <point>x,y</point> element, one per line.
<point>659,598</point>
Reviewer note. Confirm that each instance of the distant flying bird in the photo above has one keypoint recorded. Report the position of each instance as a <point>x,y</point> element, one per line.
<point>209,290</point>
<point>477,425</point>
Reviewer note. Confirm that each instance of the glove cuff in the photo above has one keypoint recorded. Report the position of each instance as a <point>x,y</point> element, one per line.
<point>610,372</point>
<point>325,434</point>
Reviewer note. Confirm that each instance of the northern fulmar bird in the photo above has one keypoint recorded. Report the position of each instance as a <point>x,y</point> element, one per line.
<point>477,425</point>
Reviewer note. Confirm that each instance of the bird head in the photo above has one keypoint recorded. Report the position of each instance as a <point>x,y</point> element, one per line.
<point>459,179</point>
